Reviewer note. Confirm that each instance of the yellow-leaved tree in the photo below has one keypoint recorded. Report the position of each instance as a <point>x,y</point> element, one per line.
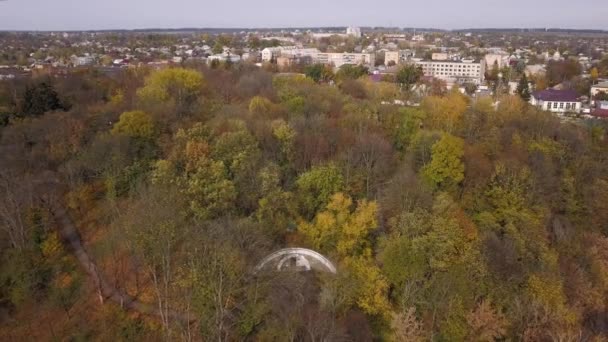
<point>135,124</point>
<point>345,231</point>
<point>445,112</point>
<point>342,230</point>
<point>176,87</point>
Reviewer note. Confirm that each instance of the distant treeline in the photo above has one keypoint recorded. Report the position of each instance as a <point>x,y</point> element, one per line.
<point>331,29</point>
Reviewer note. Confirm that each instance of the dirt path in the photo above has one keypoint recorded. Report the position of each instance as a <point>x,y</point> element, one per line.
<point>70,236</point>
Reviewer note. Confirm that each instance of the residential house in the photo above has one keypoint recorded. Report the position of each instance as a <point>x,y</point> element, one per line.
<point>557,101</point>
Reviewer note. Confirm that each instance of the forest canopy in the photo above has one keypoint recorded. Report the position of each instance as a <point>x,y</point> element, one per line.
<point>136,208</point>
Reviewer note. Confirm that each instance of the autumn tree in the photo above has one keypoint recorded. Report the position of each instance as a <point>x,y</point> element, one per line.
<point>136,124</point>
<point>176,87</point>
<point>336,229</point>
<point>446,169</point>
<point>445,112</point>
<point>594,74</point>
<point>345,232</point>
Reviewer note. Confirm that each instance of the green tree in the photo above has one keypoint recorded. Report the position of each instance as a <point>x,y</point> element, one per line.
<point>319,73</point>
<point>286,136</point>
<point>210,191</point>
<point>39,99</point>
<point>352,72</point>
<point>408,75</point>
<point>316,186</point>
<point>446,169</point>
<point>523,90</point>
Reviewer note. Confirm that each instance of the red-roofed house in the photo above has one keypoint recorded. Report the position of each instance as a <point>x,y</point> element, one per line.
<point>557,101</point>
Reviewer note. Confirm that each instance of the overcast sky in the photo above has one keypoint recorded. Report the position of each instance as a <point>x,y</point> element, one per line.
<point>130,14</point>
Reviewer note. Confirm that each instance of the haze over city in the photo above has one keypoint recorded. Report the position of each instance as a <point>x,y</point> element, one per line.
<point>116,14</point>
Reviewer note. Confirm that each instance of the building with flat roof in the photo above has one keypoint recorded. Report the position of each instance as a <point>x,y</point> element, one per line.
<point>338,59</point>
<point>270,53</point>
<point>501,60</point>
<point>397,57</point>
<point>464,71</point>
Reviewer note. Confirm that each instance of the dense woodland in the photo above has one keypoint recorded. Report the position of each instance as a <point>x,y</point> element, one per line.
<point>455,220</point>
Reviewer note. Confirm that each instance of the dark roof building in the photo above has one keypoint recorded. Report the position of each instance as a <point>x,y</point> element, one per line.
<point>557,100</point>
<point>555,95</point>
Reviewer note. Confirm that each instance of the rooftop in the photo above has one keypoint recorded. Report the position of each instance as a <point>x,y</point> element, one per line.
<point>566,95</point>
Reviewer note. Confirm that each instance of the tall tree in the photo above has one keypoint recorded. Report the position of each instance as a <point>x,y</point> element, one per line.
<point>319,73</point>
<point>408,75</point>
<point>39,99</point>
<point>446,169</point>
<point>177,87</point>
<point>523,89</point>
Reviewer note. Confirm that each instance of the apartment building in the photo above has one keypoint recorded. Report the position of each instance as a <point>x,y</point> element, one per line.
<point>313,55</point>
<point>391,57</point>
<point>463,71</point>
<point>338,59</point>
<point>501,60</point>
<point>270,53</point>
<point>396,57</point>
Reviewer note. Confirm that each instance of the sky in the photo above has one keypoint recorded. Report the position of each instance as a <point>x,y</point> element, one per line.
<point>59,15</point>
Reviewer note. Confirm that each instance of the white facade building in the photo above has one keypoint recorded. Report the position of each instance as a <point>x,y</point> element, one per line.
<point>339,59</point>
<point>398,57</point>
<point>454,71</point>
<point>557,101</point>
<point>391,57</point>
<point>273,52</point>
<point>336,59</point>
<point>500,59</point>
<point>353,31</point>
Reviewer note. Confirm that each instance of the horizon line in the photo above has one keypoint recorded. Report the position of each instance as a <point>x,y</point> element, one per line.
<point>270,28</point>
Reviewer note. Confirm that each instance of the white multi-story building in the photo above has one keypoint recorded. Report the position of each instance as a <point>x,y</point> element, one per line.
<point>299,53</point>
<point>391,57</point>
<point>338,59</point>
<point>353,31</point>
<point>273,52</point>
<point>499,59</point>
<point>398,56</point>
<point>451,72</point>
